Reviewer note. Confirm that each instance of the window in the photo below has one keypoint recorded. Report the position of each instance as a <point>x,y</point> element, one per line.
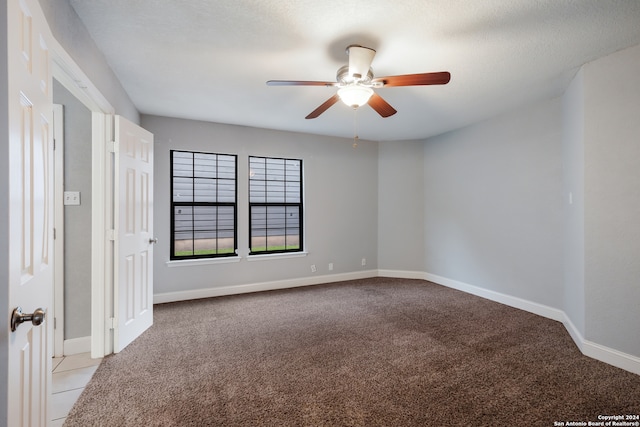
<point>203,205</point>
<point>275,205</point>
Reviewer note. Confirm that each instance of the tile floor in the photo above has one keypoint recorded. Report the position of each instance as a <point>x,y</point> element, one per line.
<point>70,375</point>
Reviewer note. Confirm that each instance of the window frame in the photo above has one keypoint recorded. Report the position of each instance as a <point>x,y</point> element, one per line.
<point>173,204</point>
<point>285,204</point>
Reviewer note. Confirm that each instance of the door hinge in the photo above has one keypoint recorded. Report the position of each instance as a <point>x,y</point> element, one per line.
<point>113,146</point>
<point>55,323</point>
<point>111,322</point>
<point>54,234</point>
<point>111,235</point>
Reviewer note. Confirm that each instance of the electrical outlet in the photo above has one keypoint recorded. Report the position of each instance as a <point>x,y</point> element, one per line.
<point>364,261</point>
<point>330,266</point>
<point>313,268</point>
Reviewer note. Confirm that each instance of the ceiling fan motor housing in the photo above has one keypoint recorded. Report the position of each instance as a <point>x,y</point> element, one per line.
<point>345,78</point>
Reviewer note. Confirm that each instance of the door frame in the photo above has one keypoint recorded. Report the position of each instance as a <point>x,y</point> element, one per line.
<point>58,227</point>
<point>67,72</point>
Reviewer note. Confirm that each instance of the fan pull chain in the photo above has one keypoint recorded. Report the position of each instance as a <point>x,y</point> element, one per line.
<point>355,128</point>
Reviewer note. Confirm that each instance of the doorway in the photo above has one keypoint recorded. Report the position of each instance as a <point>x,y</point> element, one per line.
<point>100,236</point>
<point>73,216</point>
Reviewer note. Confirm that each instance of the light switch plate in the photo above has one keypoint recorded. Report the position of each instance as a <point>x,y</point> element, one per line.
<point>71,198</point>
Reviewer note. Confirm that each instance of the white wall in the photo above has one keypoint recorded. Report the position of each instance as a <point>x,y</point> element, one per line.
<point>493,213</point>
<point>341,203</point>
<point>612,200</point>
<point>498,214</point>
<point>573,201</point>
<point>401,206</point>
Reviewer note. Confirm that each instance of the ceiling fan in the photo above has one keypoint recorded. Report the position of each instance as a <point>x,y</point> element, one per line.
<point>355,83</point>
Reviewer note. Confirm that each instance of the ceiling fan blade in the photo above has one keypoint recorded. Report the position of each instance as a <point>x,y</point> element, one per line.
<point>440,78</point>
<point>324,107</point>
<point>381,106</point>
<point>298,83</point>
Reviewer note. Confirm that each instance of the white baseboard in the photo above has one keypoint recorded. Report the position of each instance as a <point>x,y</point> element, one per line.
<point>511,301</point>
<point>401,274</point>
<point>612,356</point>
<point>575,333</point>
<point>76,346</point>
<point>602,353</point>
<point>257,287</point>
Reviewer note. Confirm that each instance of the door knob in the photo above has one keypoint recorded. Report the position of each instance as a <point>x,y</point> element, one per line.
<point>18,317</point>
<point>154,240</point>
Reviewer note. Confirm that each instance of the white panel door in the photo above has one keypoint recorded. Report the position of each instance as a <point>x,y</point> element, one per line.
<point>30,257</point>
<point>133,270</point>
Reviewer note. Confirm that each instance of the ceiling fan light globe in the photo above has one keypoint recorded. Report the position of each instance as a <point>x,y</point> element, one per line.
<point>355,96</point>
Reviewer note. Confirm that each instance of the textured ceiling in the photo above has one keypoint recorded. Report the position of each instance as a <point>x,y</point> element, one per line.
<point>209,60</point>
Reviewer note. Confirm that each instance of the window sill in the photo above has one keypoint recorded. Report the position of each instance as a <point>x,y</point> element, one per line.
<point>234,259</point>
<point>277,256</point>
<point>203,261</point>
